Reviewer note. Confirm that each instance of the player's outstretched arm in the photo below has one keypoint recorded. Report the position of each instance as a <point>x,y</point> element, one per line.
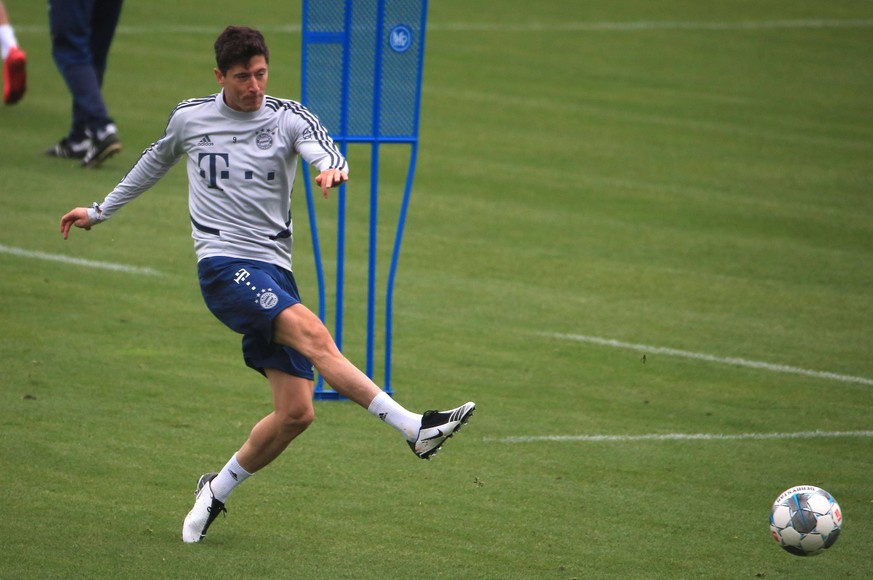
<point>331,178</point>
<point>77,217</point>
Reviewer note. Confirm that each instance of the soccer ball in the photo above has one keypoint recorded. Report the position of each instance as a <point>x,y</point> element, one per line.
<point>805,520</point>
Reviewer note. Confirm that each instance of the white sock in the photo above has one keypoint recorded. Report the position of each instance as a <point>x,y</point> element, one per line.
<point>393,413</point>
<point>7,39</point>
<point>228,478</point>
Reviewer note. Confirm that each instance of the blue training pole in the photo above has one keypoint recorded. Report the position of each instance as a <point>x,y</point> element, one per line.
<point>376,48</point>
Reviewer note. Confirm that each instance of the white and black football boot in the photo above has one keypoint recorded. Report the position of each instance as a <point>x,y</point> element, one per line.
<point>206,509</point>
<point>437,426</point>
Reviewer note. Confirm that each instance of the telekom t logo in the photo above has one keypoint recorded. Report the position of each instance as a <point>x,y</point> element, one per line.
<point>215,166</point>
<point>212,167</point>
<point>241,275</point>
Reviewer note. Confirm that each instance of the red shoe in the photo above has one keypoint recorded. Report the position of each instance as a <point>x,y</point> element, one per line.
<point>14,76</point>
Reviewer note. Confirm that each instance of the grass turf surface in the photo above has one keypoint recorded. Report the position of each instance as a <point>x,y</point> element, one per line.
<point>678,175</point>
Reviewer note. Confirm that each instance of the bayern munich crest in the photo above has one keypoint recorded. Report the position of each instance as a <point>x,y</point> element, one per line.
<point>267,300</point>
<point>264,140</point>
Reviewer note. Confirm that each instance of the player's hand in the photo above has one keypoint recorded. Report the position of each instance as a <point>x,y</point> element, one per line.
<point>331,178</point>
<point>78,217</point>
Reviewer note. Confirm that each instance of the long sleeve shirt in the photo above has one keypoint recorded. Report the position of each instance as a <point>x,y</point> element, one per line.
<point>241,168</point>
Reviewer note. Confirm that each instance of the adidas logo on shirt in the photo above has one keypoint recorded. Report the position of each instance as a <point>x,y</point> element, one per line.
<point>205,142</point>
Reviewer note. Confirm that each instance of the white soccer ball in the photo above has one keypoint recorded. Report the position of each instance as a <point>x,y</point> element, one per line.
<point>805,520</point>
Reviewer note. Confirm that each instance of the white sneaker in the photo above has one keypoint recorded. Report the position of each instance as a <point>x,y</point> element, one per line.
<point>206,509</point>
<point>437,426</point>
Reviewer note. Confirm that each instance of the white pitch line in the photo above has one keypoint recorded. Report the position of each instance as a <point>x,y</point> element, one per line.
<point>647,25</point>
<point>78,261</point>
<point>603,26</point>
<point>741,362</point>
<point>680,437</point>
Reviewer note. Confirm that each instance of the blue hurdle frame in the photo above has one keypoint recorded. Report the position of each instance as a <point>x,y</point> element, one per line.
<point>343,138</point>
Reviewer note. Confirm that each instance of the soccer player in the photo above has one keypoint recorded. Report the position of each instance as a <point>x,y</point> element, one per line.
<point>242,148</point>
<point>14,61</point>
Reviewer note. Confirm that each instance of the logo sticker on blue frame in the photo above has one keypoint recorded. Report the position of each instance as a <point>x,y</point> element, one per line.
<point>400,38</point>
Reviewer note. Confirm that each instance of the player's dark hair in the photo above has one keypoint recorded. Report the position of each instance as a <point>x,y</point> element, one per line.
<point>238,45</point>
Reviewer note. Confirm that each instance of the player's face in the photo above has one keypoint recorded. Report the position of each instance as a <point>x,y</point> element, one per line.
<point>244,85</point>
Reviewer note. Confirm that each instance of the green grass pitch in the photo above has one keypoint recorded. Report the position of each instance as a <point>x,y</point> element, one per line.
<point>683,175</point>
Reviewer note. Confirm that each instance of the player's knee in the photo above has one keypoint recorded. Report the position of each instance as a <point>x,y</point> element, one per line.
<point>297,420</point>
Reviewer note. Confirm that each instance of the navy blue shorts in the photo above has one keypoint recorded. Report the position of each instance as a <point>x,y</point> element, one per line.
<point>246,295</point>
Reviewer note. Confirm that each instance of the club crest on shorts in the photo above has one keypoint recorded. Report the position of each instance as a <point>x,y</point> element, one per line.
<point>267,299</point>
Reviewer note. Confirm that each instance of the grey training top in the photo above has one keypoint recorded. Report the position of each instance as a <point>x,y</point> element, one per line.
<point>241,170</point>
